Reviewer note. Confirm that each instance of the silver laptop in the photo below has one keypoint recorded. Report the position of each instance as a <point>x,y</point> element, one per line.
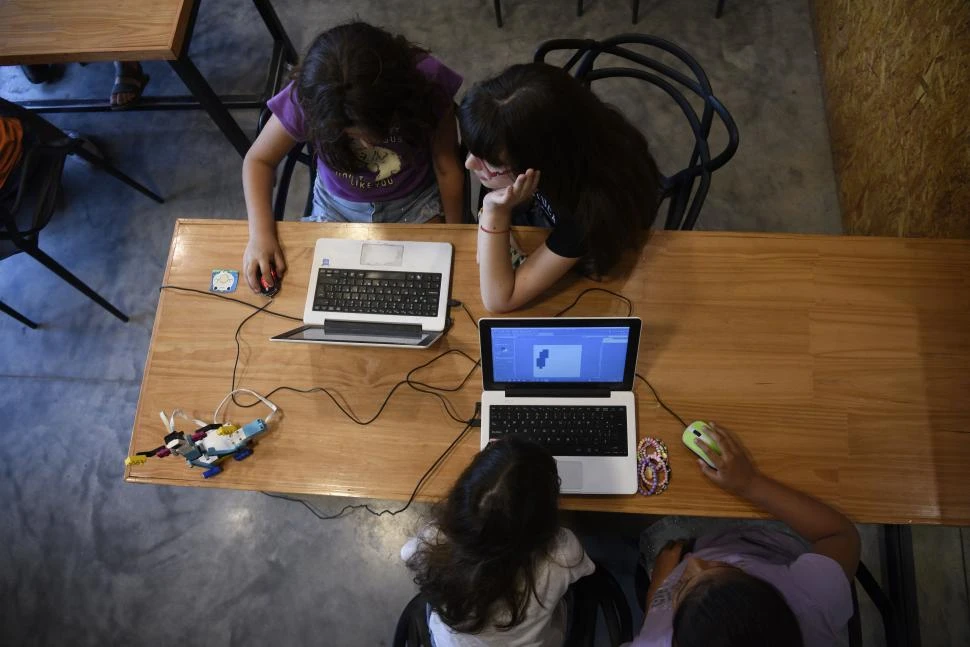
<point>376,293</point>
<point>566,383</point>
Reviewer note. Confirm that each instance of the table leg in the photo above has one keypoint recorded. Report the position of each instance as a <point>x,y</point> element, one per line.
<point>901,573</point>
<point>276,30</point>
<point>202,91</point>
<point>16,315</point>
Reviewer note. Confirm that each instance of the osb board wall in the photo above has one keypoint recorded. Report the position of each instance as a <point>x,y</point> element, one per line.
<point>896,75</point>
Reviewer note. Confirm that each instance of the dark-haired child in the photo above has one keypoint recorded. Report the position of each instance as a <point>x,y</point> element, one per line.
<point>494,563</point>
<point>755,587</point>
<point>379,113</point>
<point>555,156</point>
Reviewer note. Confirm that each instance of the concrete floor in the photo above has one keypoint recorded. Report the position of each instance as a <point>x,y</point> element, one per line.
<point>87,559</point>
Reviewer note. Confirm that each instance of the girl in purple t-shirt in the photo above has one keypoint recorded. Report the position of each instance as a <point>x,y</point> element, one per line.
<point>379,114</point>
<point>754,586</point>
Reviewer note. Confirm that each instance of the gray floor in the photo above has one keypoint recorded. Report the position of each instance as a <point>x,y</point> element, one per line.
<point>88,559</point>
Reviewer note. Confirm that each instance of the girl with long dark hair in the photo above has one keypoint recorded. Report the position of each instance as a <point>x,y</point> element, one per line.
<point>379,113</point>
<point>554,156</point>
<point>494,562</point>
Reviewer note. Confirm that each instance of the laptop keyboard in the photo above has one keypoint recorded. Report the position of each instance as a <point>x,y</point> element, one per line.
<point>413,294</point>
<point>564,431</point>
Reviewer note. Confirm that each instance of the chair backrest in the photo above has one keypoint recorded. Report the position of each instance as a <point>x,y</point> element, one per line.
<point>599,595</point>
<point>687,188</point>
<point>29,196</point>
<point>412,626</point>
<point>890,623</point>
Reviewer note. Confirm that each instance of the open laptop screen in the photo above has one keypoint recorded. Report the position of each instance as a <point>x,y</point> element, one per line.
<point>559,353</point>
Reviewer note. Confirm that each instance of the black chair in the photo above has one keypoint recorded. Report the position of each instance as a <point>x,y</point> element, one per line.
<point>28,200</point>
<point>863,577</point>
<point>687,188</point>
<point>588,598</point>
<point>412,626</point>
<point>7,310</point>
<point>634,9</point>
<point>890,623</point>
<point>595,595</point>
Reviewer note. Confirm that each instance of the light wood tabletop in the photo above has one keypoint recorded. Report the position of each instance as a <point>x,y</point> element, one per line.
<point>842,362</point>
<point>42,31</point>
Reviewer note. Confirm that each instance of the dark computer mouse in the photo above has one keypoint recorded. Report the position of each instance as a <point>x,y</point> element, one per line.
<point>264,287</point>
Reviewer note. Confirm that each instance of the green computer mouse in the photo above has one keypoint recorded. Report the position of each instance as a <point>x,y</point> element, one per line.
<point>699,430</point>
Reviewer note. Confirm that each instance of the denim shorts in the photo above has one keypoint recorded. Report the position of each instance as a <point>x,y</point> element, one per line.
<point>418,207</point>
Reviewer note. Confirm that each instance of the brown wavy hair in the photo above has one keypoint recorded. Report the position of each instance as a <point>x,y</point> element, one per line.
<point>496,526</point>
<point>360,76</point>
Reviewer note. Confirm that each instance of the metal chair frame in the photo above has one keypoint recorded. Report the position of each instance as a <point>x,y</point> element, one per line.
<point>686,199</point>
<point>41,168</point>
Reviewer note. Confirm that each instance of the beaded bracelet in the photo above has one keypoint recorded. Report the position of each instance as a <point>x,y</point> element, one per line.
<point>653,467</point>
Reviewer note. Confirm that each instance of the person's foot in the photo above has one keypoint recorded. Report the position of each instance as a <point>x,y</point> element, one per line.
<point>129,84</point>
<point>43,73</point>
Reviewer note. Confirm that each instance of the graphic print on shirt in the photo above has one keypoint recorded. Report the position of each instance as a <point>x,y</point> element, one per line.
<point>382,161</point>
<point>545,209</point>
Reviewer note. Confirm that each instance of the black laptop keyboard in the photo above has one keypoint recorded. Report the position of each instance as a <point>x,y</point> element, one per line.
<point>413,294</point>
<point>564,431</point>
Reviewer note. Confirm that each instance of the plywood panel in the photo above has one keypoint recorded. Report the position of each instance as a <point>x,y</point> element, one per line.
<point>895,74</point>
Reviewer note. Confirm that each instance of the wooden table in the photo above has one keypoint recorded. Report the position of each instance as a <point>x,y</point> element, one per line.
<point>844,363</point>
<point>45,31</point>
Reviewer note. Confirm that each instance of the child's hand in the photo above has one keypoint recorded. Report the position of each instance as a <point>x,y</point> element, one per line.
<point>735,472</point>
<point>519,192</point>
<point>263,253</point>
<point>667,559</point>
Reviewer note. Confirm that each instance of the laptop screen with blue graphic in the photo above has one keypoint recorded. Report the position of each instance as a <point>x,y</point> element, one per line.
<point>559,352</point>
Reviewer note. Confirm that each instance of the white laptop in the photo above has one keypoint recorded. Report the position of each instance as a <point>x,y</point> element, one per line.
<point>566,383</point>
<point>376,293</point>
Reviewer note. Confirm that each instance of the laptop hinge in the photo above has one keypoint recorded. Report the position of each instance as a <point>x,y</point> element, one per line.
<point>556,393</point>
<point>372,329</point>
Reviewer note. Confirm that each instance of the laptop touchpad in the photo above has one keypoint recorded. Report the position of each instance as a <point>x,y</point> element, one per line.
<point>381,254</point>
<point>570,475</point>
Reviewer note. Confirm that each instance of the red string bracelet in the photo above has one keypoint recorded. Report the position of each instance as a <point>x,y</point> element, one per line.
<point>494,231</point>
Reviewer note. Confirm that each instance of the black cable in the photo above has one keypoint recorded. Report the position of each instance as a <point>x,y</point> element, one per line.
<point>233,299</point>
<point>661,402</point>
<point>366,506</point>
<point>413,384</point>
<point>235,363</point>
<point>422,386</point>
<point>470,315</point>
<point>364,422</point>
<point>629,304</point>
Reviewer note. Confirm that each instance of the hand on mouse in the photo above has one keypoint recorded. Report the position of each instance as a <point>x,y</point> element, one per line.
<point>735,472</point>
<point>263,254</point>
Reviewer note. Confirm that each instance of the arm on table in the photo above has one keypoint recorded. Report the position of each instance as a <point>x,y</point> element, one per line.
<point>503,287</point>
<point>829,531</point>
<point>263,252</point>
<point>448,169</point>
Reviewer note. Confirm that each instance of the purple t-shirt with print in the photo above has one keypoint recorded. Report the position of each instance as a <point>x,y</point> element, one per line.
<point>814,586</point>
<point>395,168</point>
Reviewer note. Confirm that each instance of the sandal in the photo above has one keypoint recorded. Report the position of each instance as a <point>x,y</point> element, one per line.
<point>131,82</point>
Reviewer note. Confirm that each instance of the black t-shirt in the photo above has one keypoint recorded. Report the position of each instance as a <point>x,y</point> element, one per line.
<point>565,240</point>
